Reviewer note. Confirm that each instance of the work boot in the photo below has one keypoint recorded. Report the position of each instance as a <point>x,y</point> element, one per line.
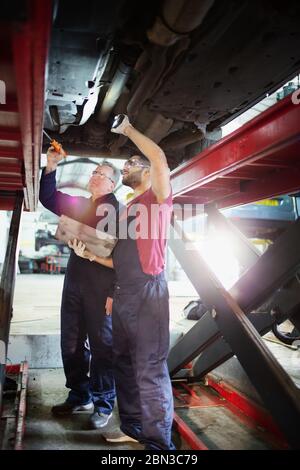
<point>117,437</point>
<point>99,420</point>
<point>67,408</point>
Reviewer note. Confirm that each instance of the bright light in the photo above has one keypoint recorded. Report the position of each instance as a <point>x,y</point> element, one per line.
<point>218,252</point>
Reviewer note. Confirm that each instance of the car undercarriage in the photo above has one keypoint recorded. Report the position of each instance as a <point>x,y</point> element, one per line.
<point>180,69</point>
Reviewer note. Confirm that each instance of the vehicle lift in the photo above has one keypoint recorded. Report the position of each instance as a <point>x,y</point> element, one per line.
<point>23,61</point>
<point>258,161</point>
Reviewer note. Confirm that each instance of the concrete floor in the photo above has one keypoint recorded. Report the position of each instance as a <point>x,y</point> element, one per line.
<point>37,299</point>
<point>219,429</point>
<point>36,308</point>
<point>37,312</point>
<point>46,432</point>
<point>36,315</point>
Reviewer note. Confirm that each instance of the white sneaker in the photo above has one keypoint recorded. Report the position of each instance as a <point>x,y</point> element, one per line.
<point>99,420</point>
<point>118,436</point>
<point>67,408</point>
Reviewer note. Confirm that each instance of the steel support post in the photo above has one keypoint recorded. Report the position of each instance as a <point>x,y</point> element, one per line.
<point>200,336</point>
<point>220,351</point>
<point>286,301</point>
<point>275,267</point>
<point>285,304</point>
<point>204,338</point>
<point>7,287</point>
<point>275,387</point>
<point>283,258</point>
<point>248,256</point>
<point>204,333</point>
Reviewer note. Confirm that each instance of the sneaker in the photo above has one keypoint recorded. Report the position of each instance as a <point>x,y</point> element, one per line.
<point>99,420</point>
<point>117,437</point>
<point>67,408</point>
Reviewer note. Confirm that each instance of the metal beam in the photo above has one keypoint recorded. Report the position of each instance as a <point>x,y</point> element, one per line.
<point>273,136</point>
<point>11,179</point>
<point>41,24</point>
<point>212,349</point>
<point>22,38</point>
<point>10,168</point>
<point>203,334</point>
<point>277,183</point>
<point>11,105</point>
<point>30,44</point>
<point>270,164</point>
<point>275,387</point>
<point>14,153</point>
<point>220,351</point>
<point>7,199</point>
<point>271,271</point>
<point>10,134</point>
<point>285,304</point>
<point>7,286</point>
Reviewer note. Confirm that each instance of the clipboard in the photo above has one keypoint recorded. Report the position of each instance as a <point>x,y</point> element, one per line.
<point>97,242</point>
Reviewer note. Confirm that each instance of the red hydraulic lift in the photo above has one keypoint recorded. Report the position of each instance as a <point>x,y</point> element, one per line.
<point>24,37</point>
<point>23,57</point>
<point>258,161</point>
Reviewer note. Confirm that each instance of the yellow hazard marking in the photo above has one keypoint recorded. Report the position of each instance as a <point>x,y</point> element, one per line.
<point>269,202</point>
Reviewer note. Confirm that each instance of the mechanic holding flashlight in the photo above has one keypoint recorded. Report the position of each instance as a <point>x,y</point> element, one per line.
<point>141,301</point>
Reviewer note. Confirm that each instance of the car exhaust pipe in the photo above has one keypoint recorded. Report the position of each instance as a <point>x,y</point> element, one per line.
<point>114,92</point>
<point>178,18</point>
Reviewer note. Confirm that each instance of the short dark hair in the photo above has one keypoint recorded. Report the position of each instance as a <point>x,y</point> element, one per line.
<point>144,160</point>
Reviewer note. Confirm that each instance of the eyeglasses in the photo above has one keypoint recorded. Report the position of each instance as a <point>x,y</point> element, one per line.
<point>132,163</point>
<point>102,175</point>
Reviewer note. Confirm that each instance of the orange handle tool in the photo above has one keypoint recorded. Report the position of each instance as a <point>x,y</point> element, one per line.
<point>58,148</point>
<point>56,145</point>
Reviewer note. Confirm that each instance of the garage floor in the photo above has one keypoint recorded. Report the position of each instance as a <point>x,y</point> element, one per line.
<point>36,312</point>
<point>44,431</point>
<point>37,299</point>
<point>216,426</point>
<point>219,429</point>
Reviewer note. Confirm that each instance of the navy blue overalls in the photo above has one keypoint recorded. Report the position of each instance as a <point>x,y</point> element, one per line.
<point>88,365</point>
<point>140,345</point>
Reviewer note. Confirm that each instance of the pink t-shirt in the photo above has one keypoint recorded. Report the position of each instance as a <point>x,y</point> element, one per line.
<point>152,227</point>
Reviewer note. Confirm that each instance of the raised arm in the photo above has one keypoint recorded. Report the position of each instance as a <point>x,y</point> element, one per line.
<point>159,171</point>
<point>53,158</point>
<point>54,200</point>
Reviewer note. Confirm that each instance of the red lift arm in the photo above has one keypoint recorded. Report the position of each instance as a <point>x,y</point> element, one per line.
<point>260,160</point>
<point>22,65</point>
